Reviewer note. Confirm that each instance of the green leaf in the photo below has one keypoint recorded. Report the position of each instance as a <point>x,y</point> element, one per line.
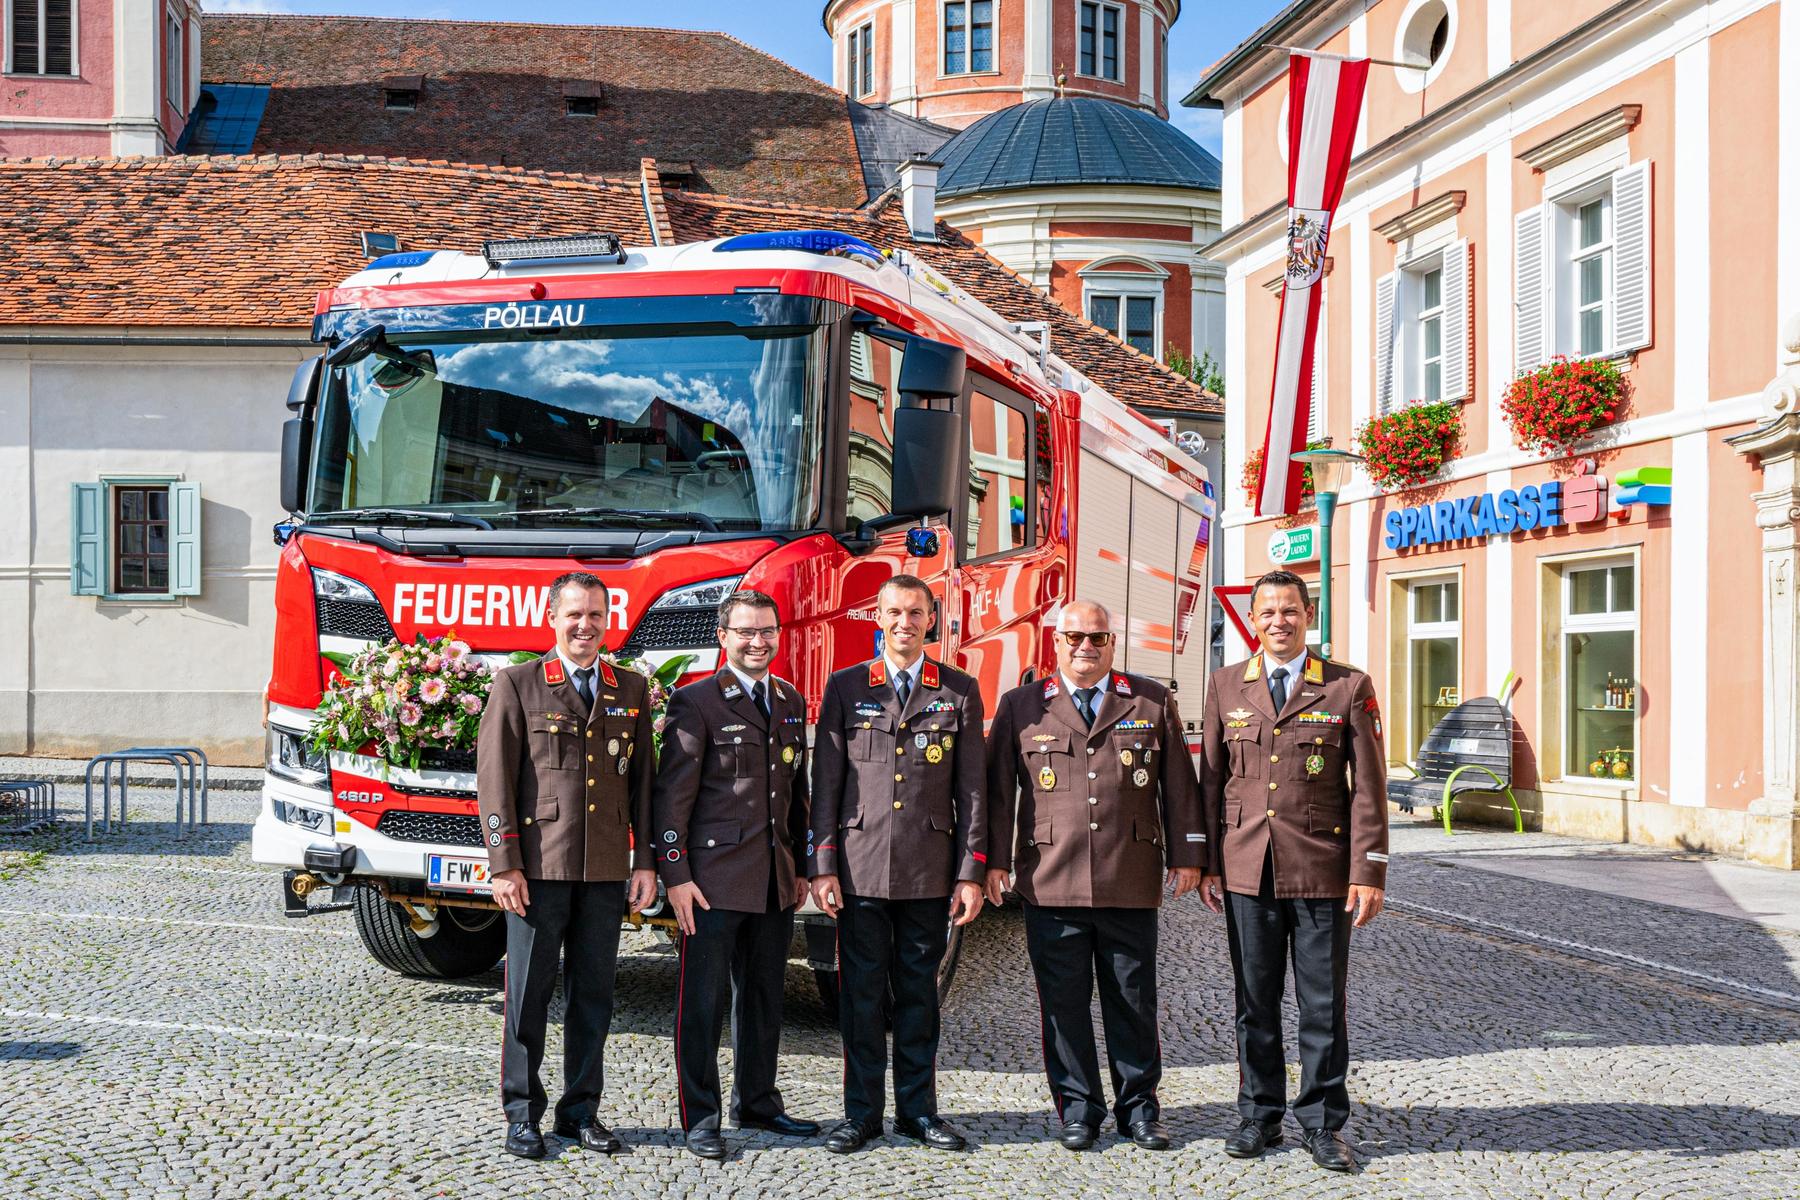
<point>522,656</point>
<point>338,659</point>
<point>673,669</point>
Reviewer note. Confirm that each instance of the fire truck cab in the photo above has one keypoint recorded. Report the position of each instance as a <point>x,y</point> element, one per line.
<point>794,412</point>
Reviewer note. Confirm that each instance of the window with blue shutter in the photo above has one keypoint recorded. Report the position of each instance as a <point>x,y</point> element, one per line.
<point>135,539</point>
<point>87,549</point>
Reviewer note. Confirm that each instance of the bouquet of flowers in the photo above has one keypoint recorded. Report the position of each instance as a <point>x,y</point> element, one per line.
<point>397,700</point>
<point>1552,408</point>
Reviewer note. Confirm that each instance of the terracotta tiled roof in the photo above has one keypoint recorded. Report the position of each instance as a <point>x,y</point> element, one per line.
<point>493,92</point>
<point>248,241</point>
<point>1128,374</point>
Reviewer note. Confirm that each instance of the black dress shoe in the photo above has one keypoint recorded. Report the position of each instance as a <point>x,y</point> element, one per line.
<point>1077,1135</point>
<point>524,1140</point>
<point>1149,1134</point>
<point>705,1143</point>
<point>847,1137</point>
<point>591,1135</point>
<point>934,1131</point>
<point>1250,1138</point>
<point>1329,1149</point>
<point>781,1123</point>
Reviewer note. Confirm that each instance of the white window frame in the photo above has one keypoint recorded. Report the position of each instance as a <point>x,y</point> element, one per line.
<point>968,26</point>
<point>861,47</point>
<point>1418,631</point>
<point>1098,281</point>
<point>1099,71</point>
<point>1422,317</point>
<point>174,61</point>
<point>1569,255</point>
<point>1570,623</point>
<point>6,59</point>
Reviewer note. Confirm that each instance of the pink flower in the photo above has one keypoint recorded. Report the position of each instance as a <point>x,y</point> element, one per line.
<point>659,723</point>
<point>433,662</point>
<point>448,729</point>
<point>456,651</point>
<point>391,667</point>
<point>410,714</point>
<point>393,737</point>
<point>471,703</point>
<point>433,690</point>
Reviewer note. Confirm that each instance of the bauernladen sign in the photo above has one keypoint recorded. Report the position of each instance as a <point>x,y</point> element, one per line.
<point>1294,545</point>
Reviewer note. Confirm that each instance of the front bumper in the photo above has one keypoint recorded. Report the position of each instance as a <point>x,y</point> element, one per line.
<point>277,843</point>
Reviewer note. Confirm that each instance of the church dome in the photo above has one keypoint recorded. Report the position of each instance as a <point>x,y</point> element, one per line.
<point>1072,141</point>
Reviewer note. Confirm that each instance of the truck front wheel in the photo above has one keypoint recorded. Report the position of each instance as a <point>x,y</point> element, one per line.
<point>464,941</point>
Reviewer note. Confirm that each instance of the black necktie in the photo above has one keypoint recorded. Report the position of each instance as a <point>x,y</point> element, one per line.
<point>1278,689</point>
<point>903,688</point>
<point>584,683</point>
<point>761,698</point>
<point>1084,700</point>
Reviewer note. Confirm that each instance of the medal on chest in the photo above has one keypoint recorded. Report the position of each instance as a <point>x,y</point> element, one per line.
<point>1046,777</point>
<point>1314,764</point>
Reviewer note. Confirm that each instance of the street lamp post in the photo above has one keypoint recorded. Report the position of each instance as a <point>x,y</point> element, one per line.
<point>1331,471</point>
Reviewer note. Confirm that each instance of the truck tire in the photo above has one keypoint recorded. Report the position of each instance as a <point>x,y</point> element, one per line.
<point>468,941</point>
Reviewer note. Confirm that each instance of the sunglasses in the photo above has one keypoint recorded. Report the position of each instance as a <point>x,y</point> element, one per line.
<point>1074,636</point>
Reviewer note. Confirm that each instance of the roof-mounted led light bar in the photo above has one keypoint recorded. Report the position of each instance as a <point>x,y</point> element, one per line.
<point>579,246</point>
<point>811,241</point>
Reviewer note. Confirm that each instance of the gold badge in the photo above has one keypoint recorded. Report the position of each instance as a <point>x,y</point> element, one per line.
<point>1125,757</point>
<point>787,754</point>
<point>934,754</point>
<point>612,745</point>
<point>1239,715</point>
<point>1046,778</point>
<point>1140,777</point>
<point>1315,763</point>
<point>949,741</point>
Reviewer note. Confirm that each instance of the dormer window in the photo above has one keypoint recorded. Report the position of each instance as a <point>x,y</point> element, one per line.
<point>401,92</point>
<point>581,98</point>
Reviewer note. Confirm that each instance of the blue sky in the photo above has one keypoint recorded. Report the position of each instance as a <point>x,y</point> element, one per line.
<point>790,29</point>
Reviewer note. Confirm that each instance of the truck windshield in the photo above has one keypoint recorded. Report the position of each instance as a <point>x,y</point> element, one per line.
<point>709,427</point>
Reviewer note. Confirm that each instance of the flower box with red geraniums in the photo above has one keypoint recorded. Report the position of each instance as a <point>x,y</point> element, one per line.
<point>1408,446</point>
<point>1554,407</point>
<point>1252,474</point>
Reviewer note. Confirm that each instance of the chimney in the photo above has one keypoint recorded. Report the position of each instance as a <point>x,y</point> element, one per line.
<point>918,196</point>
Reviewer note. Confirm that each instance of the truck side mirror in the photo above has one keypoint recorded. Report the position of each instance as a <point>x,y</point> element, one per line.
<point>927,458</point>
<point>296,433</point>
<point>932,370</point>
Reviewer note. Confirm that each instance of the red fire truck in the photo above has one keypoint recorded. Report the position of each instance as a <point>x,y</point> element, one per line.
<point>792,412</point>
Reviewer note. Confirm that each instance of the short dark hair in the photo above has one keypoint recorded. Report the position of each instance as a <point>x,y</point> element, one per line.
<point>908,583</point>
<point>1282,579</point>
<point>749,598</point>
<point>581,579</point>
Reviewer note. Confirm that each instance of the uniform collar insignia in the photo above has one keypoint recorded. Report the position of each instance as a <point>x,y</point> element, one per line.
<point>1121,684</point>
<point>733,691</point>
<point>606,674</point>
<point>928,674</point>
<point>553,670</point>
<point>1050,689</point>
<point>1315,669</point>
<point>1253,669</point>
<point>877,672</point>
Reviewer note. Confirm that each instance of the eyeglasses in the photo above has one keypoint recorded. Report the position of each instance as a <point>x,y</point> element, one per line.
<point>1074,636</point>
<point>767,633</point>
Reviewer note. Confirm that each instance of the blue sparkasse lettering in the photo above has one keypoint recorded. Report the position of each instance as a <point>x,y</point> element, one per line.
<point>1484,515</point>
<point>1550,497</point>
<point>1443,516</point>
<point>1506,511</point>
<point>1392,523</point>
<point>1528,508</point>
<point>1465,517</point>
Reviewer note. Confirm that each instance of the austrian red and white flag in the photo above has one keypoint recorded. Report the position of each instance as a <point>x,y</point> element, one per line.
<point>1324,102</point>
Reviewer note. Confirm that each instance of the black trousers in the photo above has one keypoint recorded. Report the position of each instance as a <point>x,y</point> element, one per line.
<point>746,953</point>
<point>1266,933</point>
<point>1070,948</point>
<point>576,924</point>
<point>885,944</point>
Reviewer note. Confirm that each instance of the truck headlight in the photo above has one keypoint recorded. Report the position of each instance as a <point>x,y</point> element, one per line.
<point>313,819</point>
<point>329,585</point>
<point>683,618</point>
<point>286,754</point>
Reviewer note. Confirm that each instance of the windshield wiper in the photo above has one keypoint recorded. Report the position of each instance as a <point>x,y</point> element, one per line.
<point>669,516</point>
<point>423,515</point>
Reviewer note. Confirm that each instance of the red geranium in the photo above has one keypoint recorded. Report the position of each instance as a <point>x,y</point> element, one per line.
<point>1408,446</point>
<point>1252,473</point>
<point>1554,407</point>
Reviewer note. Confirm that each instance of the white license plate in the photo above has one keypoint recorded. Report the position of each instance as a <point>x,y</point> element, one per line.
<point>449,873</point>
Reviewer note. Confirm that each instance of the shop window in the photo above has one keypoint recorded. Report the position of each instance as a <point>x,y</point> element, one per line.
<point>968,36</point>
<point>1433,653</point>
<point>999,456</point>
<point>40,37</point>
<point>1099,34</point>
<point>1599,668</point>
<point>874,370</point>
<point>136,538</point>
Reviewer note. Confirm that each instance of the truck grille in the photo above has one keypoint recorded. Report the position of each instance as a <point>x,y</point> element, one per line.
<point>445,829</point>
<point>353,619</point>
<point>447,760</point>
<point>675,629</point>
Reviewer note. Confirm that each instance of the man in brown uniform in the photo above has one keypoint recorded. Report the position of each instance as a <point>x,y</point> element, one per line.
<point>1295,780</point>
<point>899,832</point>
<point>563,771</point>
<point>731,816</point>
<point>1091,768</point>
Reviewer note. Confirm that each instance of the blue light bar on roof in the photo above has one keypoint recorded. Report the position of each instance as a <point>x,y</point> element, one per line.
<point>812,241</point>
<point>406,258</point>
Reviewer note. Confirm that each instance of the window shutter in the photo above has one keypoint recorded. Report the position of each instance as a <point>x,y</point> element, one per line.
<point>1315,414</point>
<point>184,539</point>
<point>87,540</point>
<point>1456,320</point>
<point>1530,320</point>
<point>1631,257</point>
<point>859,357</point>
<point>1384,341</point>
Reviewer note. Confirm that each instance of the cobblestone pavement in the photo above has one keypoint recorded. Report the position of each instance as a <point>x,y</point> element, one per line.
<point>168,1033</point>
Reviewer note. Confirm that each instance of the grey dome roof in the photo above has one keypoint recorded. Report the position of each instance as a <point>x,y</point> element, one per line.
<point>1079,140</point>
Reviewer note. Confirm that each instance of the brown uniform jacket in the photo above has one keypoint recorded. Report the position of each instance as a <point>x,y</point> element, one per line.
<point>1099,811</point>
<point>565,793</point>
<point>731,792</point>
<point>899,803</point>
<point>1309,782</point>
